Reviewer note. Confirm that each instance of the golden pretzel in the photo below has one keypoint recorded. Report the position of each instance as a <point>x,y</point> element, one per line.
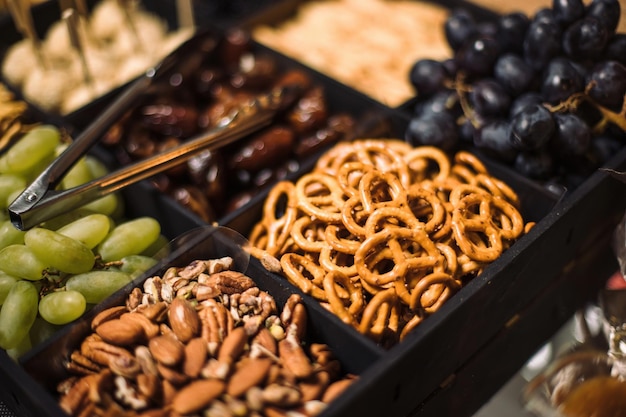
<point>427,163</point>
<point>320,196</point>
<point>279,215</point>
<point>382,234</point>
<point>387,255</point>
<point>304,274</point>
<point>354,299</point>
<point>381,313</point>
<point>432,291</point>
<point>478,227</point>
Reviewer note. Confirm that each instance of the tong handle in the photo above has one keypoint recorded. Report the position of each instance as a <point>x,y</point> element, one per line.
<point>25,213</point>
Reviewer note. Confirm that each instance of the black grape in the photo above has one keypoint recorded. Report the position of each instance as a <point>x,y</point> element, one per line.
<point>607,84</point>
<point>572,137</point>
<point>606,11</point>
<point>532,128</point>
<point>432,129</point>
<point>536,165</point>
<point>585,39</point>
<point>428,76</point>
<point>459,27</point>
<point>477,56</point>
<point>542,43</point>
<point>489,98</point>
<point>526,99</point>
<point>616,48</point>
<point>511,31</point>
<point>605,147</point>
<point>544,15</point>
<point>568,11</point>
<point>493,139</point>
<point>560,81</point>
<point>513,73</point>
<point>444,101</point>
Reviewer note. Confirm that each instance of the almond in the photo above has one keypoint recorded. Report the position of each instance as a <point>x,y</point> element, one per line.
<point>197,395</point>
<point>121,333</point>
<point>166,350</point>
<point>196,352</point>
<point>248,375</point>
<point>183,319</point>
<point>233,345</point>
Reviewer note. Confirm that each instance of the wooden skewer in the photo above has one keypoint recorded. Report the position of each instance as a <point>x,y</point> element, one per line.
<point>71,19</point>
<point>24,23</point>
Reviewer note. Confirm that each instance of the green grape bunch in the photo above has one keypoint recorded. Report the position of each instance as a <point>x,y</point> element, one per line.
<point>51,274</point>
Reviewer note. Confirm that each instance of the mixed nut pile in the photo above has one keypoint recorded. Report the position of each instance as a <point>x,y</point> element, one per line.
<point>201,340</point>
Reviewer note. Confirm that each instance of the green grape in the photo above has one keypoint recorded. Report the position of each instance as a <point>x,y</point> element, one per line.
<point>153,250</point>
<point>135,265</point>
<point>79,174</point>
<point>107,205</point>
<point>18,314</point>
<point>97,285</point>
<point>66,218</point>
<point>10,235</point>
<point>6,282</point>
<point>36,145</point>
<point>89,230</point>
<point>22,347</point>
<point>62,307</point>
<point>96,167</point>
<point>20,261</point>
<point>8,185</point>
<point>58,251</point>
<point>41,331</point>
<point>129,238</point>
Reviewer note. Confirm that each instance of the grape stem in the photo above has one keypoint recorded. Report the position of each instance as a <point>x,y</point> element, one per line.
<point>608,116</point>
<point>462,89</point>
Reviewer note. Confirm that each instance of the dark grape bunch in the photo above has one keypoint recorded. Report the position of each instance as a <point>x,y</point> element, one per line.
<point>544,94</point>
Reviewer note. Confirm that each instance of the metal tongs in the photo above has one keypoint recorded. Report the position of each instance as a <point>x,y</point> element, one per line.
<point>40,201</point>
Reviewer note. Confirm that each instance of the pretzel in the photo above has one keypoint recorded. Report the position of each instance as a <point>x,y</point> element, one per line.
<point>380,313</point>
<point>383,234</point>
<point>295,267</point>
<point>477,234</point>
<point>319,196</point>
<point>355,299</point>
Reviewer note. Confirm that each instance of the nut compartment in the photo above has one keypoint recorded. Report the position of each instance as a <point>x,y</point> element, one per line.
<point>203,246</point>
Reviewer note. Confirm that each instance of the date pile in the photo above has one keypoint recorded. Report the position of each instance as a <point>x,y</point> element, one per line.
<point>201,340</point>
<point>383,234</point>
<point>544,94</point>
<point>217,182</point>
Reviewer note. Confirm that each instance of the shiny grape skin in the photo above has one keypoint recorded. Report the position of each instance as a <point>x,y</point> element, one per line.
<point>442,101</point>
<point>477,56</point>
<point>489,99</point>
<point>568,11</point>
<point>459,27</point>
<point>542,43</point>
<point>532,128</point>
<point>427,76</point>
<point>560,81</point>
<point>513,73</point>
<point>433,129</point>
<point>607,81</point>
<point>525,99</point>
<point>493,139</point>
<point>572,137</point>
<point>607,11</point>
<point>512,28</point>
<point>585,39</point>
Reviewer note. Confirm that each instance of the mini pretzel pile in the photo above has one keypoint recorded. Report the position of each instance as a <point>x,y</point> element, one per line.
<point>383,233</point>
